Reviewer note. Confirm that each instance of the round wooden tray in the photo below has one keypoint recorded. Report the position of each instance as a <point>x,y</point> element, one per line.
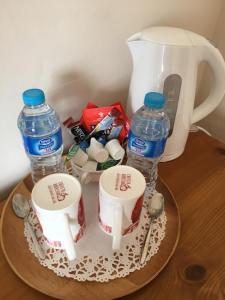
<point>27,267</point>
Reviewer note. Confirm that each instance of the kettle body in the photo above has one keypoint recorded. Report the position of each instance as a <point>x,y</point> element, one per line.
<point>166,60</point>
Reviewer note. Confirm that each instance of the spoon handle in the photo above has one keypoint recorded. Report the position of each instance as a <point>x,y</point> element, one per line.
<point>34,238</point>
<point>146,245</point>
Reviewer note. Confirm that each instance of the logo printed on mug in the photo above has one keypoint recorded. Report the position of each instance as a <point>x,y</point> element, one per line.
<point>123,182</point>
<point>57,191</point>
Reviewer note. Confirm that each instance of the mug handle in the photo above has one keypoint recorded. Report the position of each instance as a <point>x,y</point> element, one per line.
<point>117,226</point>
<point>67,238</point>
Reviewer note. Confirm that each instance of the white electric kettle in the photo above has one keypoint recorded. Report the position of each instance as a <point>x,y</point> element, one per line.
<point>166,59</point>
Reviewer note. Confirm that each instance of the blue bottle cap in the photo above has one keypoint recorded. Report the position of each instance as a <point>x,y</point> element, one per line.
<point>33,97</point>
<point>154,100</point>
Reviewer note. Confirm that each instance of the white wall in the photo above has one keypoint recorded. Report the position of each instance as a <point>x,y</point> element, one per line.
<point>75,51</point>
<point>215,122</point>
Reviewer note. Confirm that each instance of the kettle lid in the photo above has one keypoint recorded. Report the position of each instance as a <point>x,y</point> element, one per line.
<point>167,36</point>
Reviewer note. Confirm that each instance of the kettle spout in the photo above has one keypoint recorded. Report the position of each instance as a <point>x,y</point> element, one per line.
<point>134,37</point>
<point>137,45</point>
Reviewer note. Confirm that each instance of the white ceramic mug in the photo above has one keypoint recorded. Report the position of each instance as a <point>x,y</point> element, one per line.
<point>57,201</point>
<point>121,191</point>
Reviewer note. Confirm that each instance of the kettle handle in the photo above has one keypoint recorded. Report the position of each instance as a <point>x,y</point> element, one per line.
<point>214,58</point>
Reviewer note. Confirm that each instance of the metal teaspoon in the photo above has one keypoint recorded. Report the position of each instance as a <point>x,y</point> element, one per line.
<point>155,208</point>
<point>21,209</point>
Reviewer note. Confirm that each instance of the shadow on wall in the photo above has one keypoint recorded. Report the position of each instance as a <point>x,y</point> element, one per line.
<point>72,93</point>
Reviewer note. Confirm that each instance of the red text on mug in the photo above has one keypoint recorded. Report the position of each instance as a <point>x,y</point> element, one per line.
<point>57,191</point>
<point>123,182</point>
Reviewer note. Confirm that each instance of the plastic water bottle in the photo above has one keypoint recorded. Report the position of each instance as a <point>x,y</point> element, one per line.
<point>147,138</point>
<point>42,136</point>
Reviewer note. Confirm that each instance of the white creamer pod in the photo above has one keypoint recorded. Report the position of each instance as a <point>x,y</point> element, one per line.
<point>115,149</point>
<point>97,152</point>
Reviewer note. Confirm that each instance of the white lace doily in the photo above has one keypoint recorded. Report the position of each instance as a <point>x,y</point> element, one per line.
<point>96,261</point>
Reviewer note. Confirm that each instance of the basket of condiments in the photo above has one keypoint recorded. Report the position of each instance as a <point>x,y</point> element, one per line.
<point>99,140</point>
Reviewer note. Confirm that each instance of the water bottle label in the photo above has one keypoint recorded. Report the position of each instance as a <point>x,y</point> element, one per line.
<point>43,146</point>
<point>146,148</point>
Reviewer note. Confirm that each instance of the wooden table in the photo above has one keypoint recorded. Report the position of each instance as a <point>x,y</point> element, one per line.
<point>197,269</point>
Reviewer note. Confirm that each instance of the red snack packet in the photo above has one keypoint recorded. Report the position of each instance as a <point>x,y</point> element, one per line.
<point>92,115</point>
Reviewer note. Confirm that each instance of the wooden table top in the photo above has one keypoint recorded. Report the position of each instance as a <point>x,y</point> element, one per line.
<point>197,269</point>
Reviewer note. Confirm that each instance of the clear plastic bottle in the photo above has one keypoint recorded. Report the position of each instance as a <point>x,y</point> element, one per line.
<point>147,137</point>
<point>42,136</point>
